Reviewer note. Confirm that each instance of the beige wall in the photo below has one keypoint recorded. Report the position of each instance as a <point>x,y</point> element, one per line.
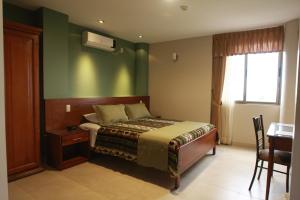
<point>243,131</point>
<point>181,89</point>
<point>295,192</point>
<point>3,175</point>
<point>289,72</point>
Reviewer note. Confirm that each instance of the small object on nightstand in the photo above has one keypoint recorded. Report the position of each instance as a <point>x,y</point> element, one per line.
<point>67,148</point>
<point>72,128</point>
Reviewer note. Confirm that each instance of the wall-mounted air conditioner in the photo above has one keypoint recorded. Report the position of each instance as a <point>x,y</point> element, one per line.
<point>93,40</point>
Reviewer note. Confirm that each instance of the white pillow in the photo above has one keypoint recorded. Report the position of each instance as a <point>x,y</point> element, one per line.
<point>91,117</point>
<point>89,126</point>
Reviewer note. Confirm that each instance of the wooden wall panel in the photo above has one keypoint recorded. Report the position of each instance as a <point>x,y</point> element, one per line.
<point>56,116</point>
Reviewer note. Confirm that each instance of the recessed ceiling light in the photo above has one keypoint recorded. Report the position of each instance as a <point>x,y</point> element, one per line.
<point>140,36</point>
<point>100,21</point>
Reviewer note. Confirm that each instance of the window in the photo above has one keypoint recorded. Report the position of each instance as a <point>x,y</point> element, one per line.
<point>256,77</point>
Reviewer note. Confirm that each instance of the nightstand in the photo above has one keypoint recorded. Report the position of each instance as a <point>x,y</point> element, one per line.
<point>67,148</point>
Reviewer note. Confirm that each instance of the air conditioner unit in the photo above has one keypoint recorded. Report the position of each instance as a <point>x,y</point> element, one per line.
<point>93,40</point>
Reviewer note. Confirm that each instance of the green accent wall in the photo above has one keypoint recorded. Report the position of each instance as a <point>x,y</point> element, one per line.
<point>141,64</point>
<point>18,14</point>
<point>55,54</point>
<point>94,72</point>
<point>71,70</point>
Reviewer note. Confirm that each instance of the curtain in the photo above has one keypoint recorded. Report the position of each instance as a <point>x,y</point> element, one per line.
<point>255,41</point>
<point>228,103</point>
<point>218,72</point>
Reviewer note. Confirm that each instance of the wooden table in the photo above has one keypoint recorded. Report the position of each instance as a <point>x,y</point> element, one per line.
<point>280,138</point>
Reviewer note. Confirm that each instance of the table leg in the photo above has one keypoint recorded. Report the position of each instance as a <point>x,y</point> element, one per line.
<point>270,167</point>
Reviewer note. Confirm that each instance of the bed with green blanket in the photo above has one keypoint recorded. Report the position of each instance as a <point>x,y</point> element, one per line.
<point>167,145</point>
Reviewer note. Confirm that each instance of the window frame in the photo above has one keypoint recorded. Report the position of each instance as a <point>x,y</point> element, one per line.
<point>279,81</point>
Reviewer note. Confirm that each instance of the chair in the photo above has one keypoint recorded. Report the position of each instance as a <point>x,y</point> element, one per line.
<point>262,154</point>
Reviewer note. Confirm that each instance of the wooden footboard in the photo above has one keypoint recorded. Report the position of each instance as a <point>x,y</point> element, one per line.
<point>190,153</point>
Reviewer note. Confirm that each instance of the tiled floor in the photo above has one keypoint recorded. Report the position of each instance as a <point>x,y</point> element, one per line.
<point>225,176</point>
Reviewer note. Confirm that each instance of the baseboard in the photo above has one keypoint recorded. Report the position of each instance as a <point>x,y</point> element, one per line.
<point>17,176</point>
<point>241,144</point>
<point>286,196</point>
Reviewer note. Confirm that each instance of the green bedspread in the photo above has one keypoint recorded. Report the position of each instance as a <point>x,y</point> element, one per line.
<point>156,142</point>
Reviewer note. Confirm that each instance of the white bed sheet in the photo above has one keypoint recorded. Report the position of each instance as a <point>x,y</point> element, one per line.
<point>93,128</point>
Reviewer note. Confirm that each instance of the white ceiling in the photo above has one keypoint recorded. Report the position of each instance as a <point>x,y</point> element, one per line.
<point>163,20</point>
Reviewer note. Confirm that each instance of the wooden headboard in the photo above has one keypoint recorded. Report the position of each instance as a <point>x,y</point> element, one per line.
<point>56,116</point>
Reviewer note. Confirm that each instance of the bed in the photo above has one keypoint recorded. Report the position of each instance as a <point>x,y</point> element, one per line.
<point>122,140</point>
<point>182,154</point>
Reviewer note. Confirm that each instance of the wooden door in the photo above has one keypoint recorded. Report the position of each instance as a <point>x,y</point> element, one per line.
<point>21,98</point>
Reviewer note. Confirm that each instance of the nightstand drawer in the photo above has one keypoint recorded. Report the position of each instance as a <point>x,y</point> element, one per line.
<point>74,138</point>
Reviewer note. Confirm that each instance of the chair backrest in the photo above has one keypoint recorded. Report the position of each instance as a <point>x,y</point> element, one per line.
<point>259,133</point>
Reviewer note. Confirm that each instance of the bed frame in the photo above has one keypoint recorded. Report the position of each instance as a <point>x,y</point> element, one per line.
<point>192,152</point>
<point>56,118</point>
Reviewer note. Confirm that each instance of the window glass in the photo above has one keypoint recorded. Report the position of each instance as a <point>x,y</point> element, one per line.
<point>237,69</point>
<point>262,77</point>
